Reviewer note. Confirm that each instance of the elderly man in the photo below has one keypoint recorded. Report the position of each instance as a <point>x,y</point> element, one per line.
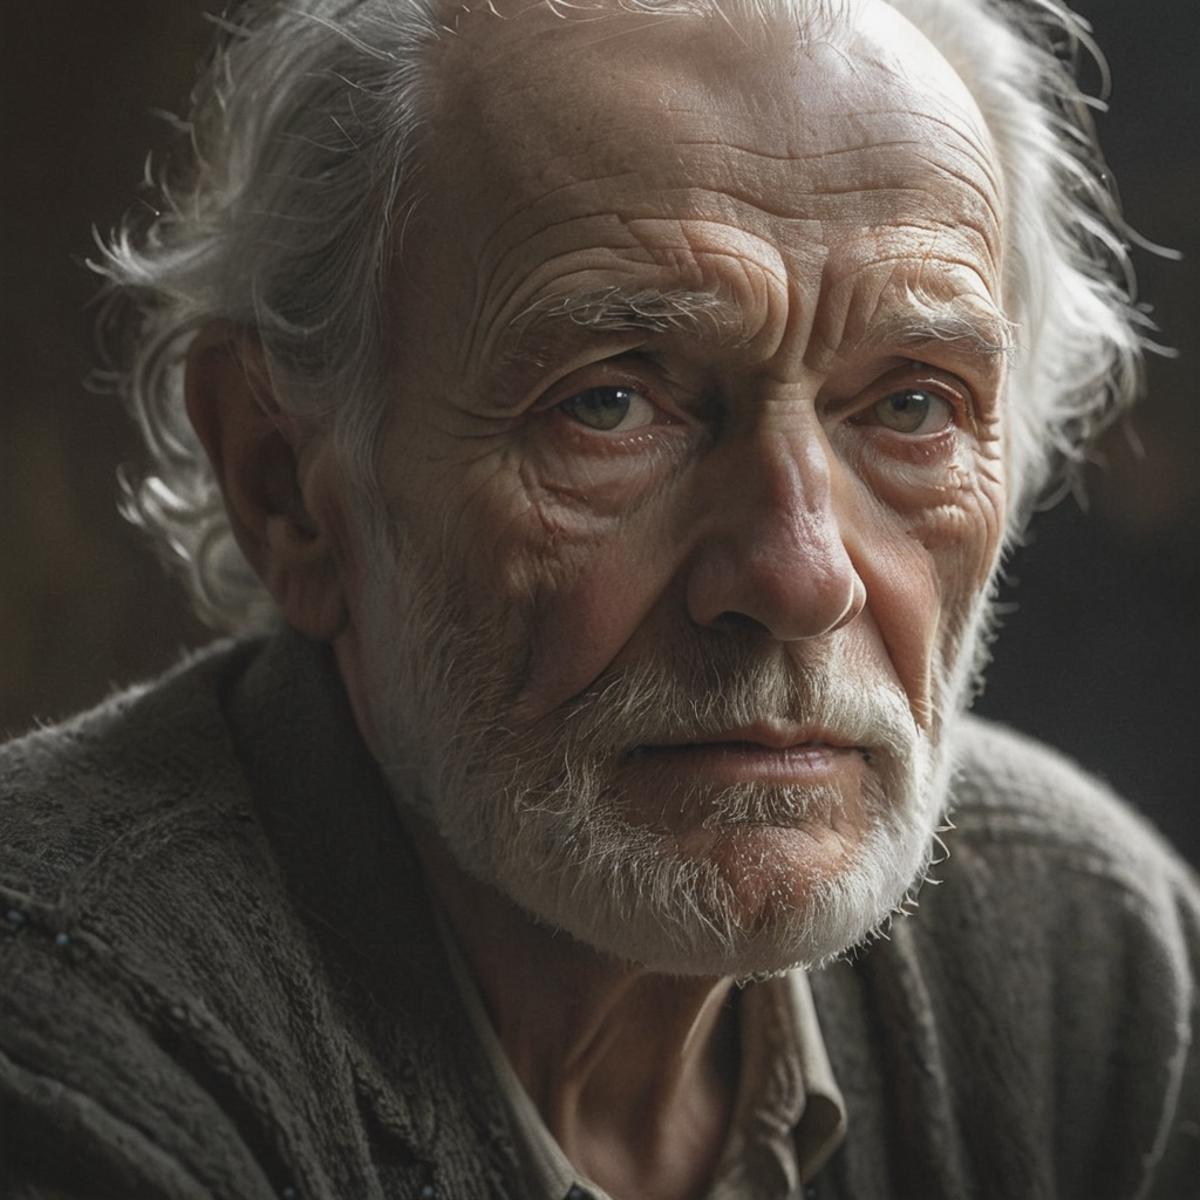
<point>618,412</point>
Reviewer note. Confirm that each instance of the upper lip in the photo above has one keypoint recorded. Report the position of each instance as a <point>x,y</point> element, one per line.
<point>770,735</point>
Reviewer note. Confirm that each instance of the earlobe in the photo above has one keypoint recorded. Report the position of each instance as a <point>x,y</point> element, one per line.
<point>255,449</point>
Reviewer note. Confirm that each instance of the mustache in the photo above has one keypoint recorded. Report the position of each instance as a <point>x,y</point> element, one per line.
<point>568,766</point>
<point>698,691</point>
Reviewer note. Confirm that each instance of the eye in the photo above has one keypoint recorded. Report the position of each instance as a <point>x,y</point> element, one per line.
<point>912,410</point>
<point>609,409</point>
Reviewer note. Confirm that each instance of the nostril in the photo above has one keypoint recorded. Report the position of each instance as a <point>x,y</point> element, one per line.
<point>738,622</point>
<point>855,605</point>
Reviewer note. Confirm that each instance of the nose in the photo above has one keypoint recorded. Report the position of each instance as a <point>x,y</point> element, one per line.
<point>772,556</point>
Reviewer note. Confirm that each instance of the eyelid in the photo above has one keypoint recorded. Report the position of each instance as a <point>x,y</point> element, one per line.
<point>607,373</point>
<point>921,375</point>
<point>642,409</point>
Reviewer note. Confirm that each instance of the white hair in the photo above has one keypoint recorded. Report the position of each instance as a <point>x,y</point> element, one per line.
<point>305,132</point>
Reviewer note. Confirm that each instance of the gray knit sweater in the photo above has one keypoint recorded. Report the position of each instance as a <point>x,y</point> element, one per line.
<point>218,975</point>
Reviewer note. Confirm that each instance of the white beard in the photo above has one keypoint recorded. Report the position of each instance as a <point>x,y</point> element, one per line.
<point>535,810</point>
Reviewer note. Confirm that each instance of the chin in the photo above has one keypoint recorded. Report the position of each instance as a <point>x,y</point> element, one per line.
<point>742,900</point>
<point>686,916</point>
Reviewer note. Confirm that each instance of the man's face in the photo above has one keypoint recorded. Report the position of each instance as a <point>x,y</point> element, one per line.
<point>693,477</point>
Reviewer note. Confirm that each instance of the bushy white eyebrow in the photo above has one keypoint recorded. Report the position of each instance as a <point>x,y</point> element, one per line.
<point>619,309</point>
<point>973,327</point>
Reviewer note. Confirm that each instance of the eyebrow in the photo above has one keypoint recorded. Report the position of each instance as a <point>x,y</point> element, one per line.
<point>617,309</point>
<point>971,326</point>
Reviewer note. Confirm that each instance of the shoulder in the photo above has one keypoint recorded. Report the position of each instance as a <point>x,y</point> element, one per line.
<point>75,795</point>
<point>1038,1003</point>
<point>218,976</point>
<point>1051,868</point>
<point>1057,945</point>
<point>1017,801</point>
<point>118,834</point>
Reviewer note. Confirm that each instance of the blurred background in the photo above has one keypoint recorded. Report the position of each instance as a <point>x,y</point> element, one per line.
<point>1100,653</point>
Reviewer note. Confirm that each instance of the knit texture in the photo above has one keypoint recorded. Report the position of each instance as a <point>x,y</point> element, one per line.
<point>219,975</point>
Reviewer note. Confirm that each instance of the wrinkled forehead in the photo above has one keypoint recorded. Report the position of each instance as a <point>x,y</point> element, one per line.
<point>541,122</point>
<point>529,77</point>
<point>529,48</point>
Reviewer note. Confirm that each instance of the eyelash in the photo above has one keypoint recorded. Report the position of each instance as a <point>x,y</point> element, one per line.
<point>914,375</point>
<point>596,443</point>
<point>668,414</point>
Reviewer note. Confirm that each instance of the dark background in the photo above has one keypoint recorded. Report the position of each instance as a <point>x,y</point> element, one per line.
<point>1101,656</point>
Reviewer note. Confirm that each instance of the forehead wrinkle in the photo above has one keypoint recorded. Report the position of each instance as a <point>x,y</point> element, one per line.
<point>909,173</point>
<point>903,125</point>
<point>528,206</point>
<point>682,267</point>
<point>970,150</point>
<point>957,241</point>
<point>898,142</point>
<point>491,295</point>
<point>947,140</point>
<point>808,156</point>
<point>845,318</point>
<point>989,187</point>
<point>986,197</point>
<point>491,265</point>
<point>978,149</point>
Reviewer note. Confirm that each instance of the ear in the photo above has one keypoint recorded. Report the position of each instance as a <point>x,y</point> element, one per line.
<point>255,451</point>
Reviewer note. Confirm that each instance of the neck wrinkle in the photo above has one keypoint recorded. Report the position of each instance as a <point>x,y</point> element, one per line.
<point>608,1052</point>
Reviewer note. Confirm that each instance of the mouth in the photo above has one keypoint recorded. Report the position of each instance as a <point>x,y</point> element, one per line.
<point>765,735</point>
<point>763,752</point>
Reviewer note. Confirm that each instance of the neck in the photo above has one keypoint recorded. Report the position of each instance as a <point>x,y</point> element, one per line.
<point>633,1073</point>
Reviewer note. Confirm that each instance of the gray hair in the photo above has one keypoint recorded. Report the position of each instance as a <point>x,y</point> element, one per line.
<point>305,131</point>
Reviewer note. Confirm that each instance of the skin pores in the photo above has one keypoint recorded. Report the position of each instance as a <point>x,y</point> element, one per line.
<point>697,377</point>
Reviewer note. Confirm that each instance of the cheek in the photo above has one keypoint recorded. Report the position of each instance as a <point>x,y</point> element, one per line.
<point>584,612</point>
<point>557,578</point>
<point>925,562</point>
<point>571,594</point>
<point>903,602</point>
<point>964,542</point>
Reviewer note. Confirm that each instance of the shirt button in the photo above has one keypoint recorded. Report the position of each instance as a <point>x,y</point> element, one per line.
<point>576,1193</point>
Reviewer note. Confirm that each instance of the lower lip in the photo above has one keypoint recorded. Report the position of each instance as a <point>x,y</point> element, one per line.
<point>748,762</point>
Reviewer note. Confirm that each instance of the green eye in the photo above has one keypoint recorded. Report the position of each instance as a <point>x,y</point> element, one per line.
<point>913,410</point>
<point>604,408</point>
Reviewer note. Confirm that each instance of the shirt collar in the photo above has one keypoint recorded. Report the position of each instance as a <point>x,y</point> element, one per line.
<point>789,1116</point>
